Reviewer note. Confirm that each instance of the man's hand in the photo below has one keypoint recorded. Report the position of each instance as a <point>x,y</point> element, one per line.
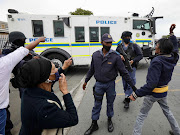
<point>122,58</point>
<point>67,63</point>
<point>84,85</point>
<point>63,84</point>
<point>42,39</point>
<point>131,62</point>
<point>132,98</point>
<point>35,43</point>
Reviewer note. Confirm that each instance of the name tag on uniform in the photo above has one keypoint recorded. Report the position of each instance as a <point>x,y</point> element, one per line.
<point>109,62</point>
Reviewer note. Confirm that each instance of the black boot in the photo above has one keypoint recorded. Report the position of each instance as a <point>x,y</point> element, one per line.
<point>171,132</point>
<point>126,104</point>
<point>110,125</point>
<point>93,127</point>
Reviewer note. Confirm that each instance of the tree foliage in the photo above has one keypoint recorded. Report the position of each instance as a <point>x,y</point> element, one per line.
<point>80,11</point>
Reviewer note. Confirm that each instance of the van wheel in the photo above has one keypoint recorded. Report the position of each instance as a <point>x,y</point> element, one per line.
<point>57,59</point>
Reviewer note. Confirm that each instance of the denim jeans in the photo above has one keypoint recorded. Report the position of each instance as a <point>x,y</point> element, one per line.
<point>127,88</point>
<point>2,121</point>
<point>146,107</point>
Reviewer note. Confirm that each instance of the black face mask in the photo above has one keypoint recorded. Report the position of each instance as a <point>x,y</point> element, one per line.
<point>16,44</point>
<point>126,40</point>
<point>107,47</point>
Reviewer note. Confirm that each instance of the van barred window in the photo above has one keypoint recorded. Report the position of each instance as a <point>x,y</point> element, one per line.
<point>37,28</point>
<point>94,34</point>
<point>58,28</point>
<point>104,30</point>
<point>79,34</point>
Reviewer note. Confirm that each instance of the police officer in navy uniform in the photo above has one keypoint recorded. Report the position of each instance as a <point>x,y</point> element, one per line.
<point>105,65</point>
<point>134,54</point>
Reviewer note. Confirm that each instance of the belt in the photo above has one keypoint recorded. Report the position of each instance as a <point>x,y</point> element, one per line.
<point>160,90</point>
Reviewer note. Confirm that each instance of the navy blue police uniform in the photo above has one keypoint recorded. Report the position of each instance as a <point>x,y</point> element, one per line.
<point>105,70</point>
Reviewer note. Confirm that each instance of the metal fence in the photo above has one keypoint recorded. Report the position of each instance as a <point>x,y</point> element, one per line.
<point>3,41</point>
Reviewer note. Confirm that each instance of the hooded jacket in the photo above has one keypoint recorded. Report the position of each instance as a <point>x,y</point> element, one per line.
<point>159,74</point>
<point>175,43</point>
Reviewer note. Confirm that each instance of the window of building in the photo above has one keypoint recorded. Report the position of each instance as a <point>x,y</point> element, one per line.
<point>104,30</point>
<point>141,24</point>
<point>94,34</point>
<point>37,28</point>
<point>58,28</point>
<point>3,26</point>
<point>79,34</point>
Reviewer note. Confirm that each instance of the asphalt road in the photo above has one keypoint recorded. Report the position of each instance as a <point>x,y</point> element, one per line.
<point>124,120</point>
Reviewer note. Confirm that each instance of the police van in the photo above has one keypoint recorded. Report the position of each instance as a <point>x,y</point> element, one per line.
<point>78,36</point>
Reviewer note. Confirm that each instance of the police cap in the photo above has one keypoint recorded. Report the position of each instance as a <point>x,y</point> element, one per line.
<point>16,35</point>
<point>126,34</point>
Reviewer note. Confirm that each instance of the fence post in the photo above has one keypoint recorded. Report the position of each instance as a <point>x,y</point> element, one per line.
<point>3,40</point>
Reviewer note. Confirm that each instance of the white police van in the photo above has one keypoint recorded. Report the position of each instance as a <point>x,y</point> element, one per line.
<point>78,36</point>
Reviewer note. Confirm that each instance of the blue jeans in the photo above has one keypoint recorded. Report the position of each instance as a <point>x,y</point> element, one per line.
<point>127,88</point>
<point>2,121</point>
<point>99,90</point>
<point>146,107</point>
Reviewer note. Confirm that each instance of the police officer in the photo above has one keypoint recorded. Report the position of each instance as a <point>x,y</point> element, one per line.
<point>105,65</point>
<point>134,55</point>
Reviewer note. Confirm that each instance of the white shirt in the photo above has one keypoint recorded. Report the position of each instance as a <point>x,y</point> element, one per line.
<point>7,63</point>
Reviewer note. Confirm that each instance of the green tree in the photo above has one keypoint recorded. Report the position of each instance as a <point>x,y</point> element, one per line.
<point>80,11</point>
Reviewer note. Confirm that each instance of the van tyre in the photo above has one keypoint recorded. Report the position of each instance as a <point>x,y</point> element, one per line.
<point>57,59</point>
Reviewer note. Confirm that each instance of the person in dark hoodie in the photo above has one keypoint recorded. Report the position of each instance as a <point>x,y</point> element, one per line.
<point>156,87</point>
<point>40,107</point>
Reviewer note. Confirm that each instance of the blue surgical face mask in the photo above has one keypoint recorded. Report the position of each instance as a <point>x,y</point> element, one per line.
<point>57,75</point>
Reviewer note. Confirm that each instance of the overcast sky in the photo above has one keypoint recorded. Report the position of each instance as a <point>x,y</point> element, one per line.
<point>170,10</point>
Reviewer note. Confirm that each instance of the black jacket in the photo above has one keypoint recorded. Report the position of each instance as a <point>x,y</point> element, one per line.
<point>133,53</point>
<point>38,114</point>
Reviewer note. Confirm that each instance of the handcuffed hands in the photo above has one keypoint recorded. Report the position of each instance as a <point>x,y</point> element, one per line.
<point>132,98</point>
